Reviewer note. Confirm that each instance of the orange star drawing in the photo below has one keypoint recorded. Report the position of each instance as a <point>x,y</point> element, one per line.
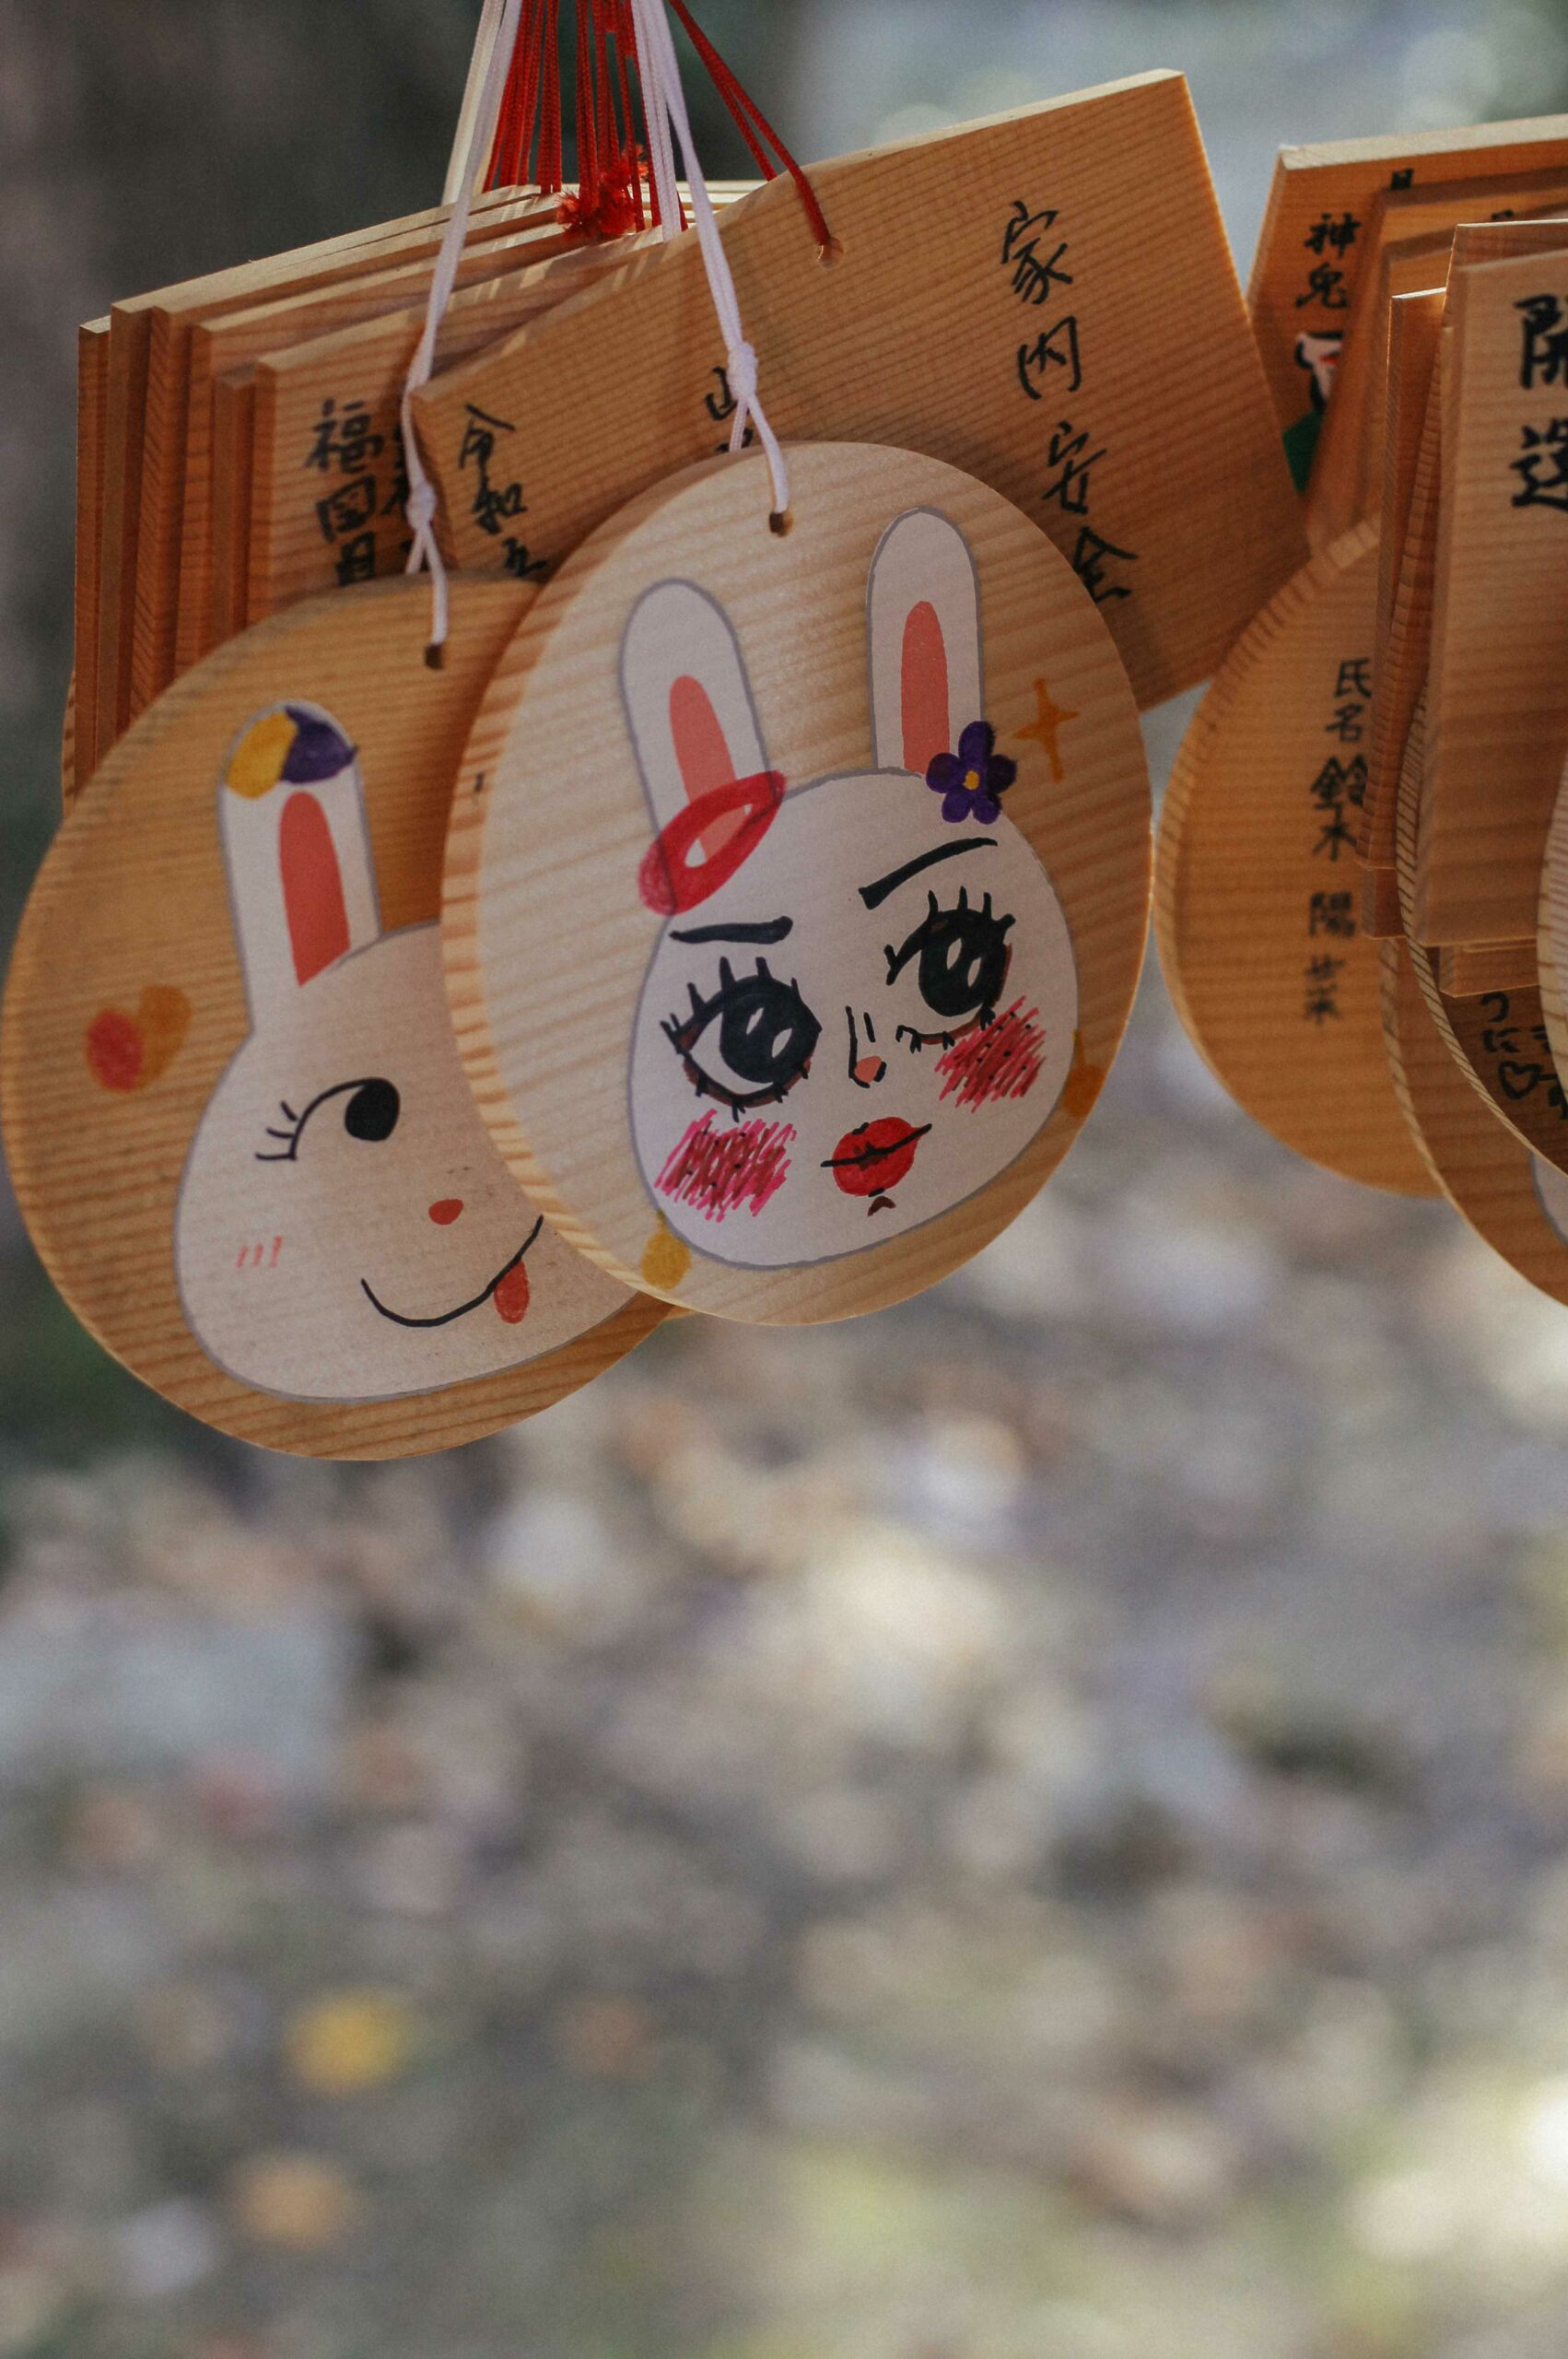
<point>1046,728</point>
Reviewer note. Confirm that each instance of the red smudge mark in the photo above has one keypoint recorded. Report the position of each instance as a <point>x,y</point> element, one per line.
<point>312,887</point>
<point>114,1050</point>
<point>512,1294</point>
<point>445,1210</point>
<point>670,881</point>
<point>923,688</point>
<point>128,1053</point>
<point>997,1059</point>
<point>717,1170</point>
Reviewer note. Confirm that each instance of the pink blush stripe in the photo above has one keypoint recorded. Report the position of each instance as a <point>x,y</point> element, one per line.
<point>716,1171</point>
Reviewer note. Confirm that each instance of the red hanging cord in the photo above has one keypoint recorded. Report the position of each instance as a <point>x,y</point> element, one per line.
<point>612,171</point>
<point>741,105</point>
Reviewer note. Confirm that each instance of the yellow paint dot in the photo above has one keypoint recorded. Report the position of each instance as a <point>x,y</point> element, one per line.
<point>665,1259</point>
<point>300,2201</point>
<point>1084,1082</point>
<point>259,758</point>
<point>354,2040</point>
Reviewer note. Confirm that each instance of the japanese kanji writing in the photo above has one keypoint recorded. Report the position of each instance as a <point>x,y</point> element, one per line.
<point>1338,788</point>
<point>1543,342</point>
<point>1049,363</point>
<point>493,503</point>
<point>366,484</point>
<point>1543,466</point>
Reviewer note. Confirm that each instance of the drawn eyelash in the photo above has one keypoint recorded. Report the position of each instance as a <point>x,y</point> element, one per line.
<point>296,1124</point>
<point>964,956</point>
<point>370,1115</point>
<point>766,1035</point>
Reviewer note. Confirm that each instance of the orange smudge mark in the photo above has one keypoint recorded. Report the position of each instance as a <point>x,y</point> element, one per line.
<point>127,1052</point>
<point>164,1013</point>
<point>1084,1082</point>
<point>666,1258</point>
<point>1001,1059</point>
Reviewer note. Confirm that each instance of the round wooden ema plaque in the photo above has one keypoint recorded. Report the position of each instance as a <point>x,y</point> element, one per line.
<point>1515,1200</point>
<point>239,1126</point>
<point>797,884</point>
<point>1551,936</point>
<point>1257,881</point>
<point>1499,1039</point>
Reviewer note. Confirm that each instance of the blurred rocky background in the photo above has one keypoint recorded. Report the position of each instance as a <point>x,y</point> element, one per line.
<point>1032,1826</point>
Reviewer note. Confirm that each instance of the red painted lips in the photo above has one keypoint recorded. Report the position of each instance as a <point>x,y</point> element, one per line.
<point>876,1156</point>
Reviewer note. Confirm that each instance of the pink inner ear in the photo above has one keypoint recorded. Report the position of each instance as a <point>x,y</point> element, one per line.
<point>312,886</point>
<point>922,689</point>
<point>704,757</point>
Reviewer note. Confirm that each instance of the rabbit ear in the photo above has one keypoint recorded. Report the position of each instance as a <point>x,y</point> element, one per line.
<point>687,699</point>
<point>297,847</point>
<point>923,633</point>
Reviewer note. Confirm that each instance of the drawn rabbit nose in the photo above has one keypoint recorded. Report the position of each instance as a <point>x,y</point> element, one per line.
<point>867,1070</point>
<point>446,1211</point>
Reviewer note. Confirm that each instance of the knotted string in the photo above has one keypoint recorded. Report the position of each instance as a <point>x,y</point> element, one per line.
<point>664,107</point>
<point>422,502</point>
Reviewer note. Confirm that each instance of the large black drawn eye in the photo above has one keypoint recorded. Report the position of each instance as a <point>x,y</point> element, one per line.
<point>372,1111</point>
<point>964,956</point>
<point>760,1036</point>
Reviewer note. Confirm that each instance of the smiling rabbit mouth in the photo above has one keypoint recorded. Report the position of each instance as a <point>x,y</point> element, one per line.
<point>445,1318</point>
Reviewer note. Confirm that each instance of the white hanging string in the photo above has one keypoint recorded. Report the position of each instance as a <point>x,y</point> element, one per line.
<point>422,503</point>
<point>665,105</point>
<point>473,92</point>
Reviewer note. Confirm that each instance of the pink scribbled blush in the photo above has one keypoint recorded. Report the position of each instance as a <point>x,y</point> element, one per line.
<point>997,1059</point>
<point>718,1171</point>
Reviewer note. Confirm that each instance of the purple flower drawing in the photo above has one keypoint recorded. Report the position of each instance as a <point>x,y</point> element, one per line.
<point>970,781</point>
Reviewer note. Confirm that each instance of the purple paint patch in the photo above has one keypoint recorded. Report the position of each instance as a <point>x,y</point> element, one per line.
<point>320,749</point>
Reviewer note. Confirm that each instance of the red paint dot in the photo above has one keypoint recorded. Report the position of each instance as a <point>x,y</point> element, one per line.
<point>115,1050</point>
<point>446,1211</point>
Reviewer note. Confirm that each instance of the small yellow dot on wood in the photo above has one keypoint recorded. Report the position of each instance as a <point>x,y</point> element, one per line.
<point>1083,1084</point>
<point>665,1259</point>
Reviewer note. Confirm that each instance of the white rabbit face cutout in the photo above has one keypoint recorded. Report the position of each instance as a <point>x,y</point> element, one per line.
<point>796,884</point>
<point>346,1231</point>
<point>871,1013</point>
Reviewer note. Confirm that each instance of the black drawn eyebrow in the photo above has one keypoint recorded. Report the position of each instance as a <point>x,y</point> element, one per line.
<point>766,930</point>
<point>874,895</point>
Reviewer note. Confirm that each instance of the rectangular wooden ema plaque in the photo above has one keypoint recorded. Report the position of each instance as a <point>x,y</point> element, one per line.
<point>1406,554</point>
<point>1310,249</point>
<point>146,421</point>
<point>1044,300</point>
<point>1404,244</point>
<point>1497,696</point>
<point>326,484</point>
